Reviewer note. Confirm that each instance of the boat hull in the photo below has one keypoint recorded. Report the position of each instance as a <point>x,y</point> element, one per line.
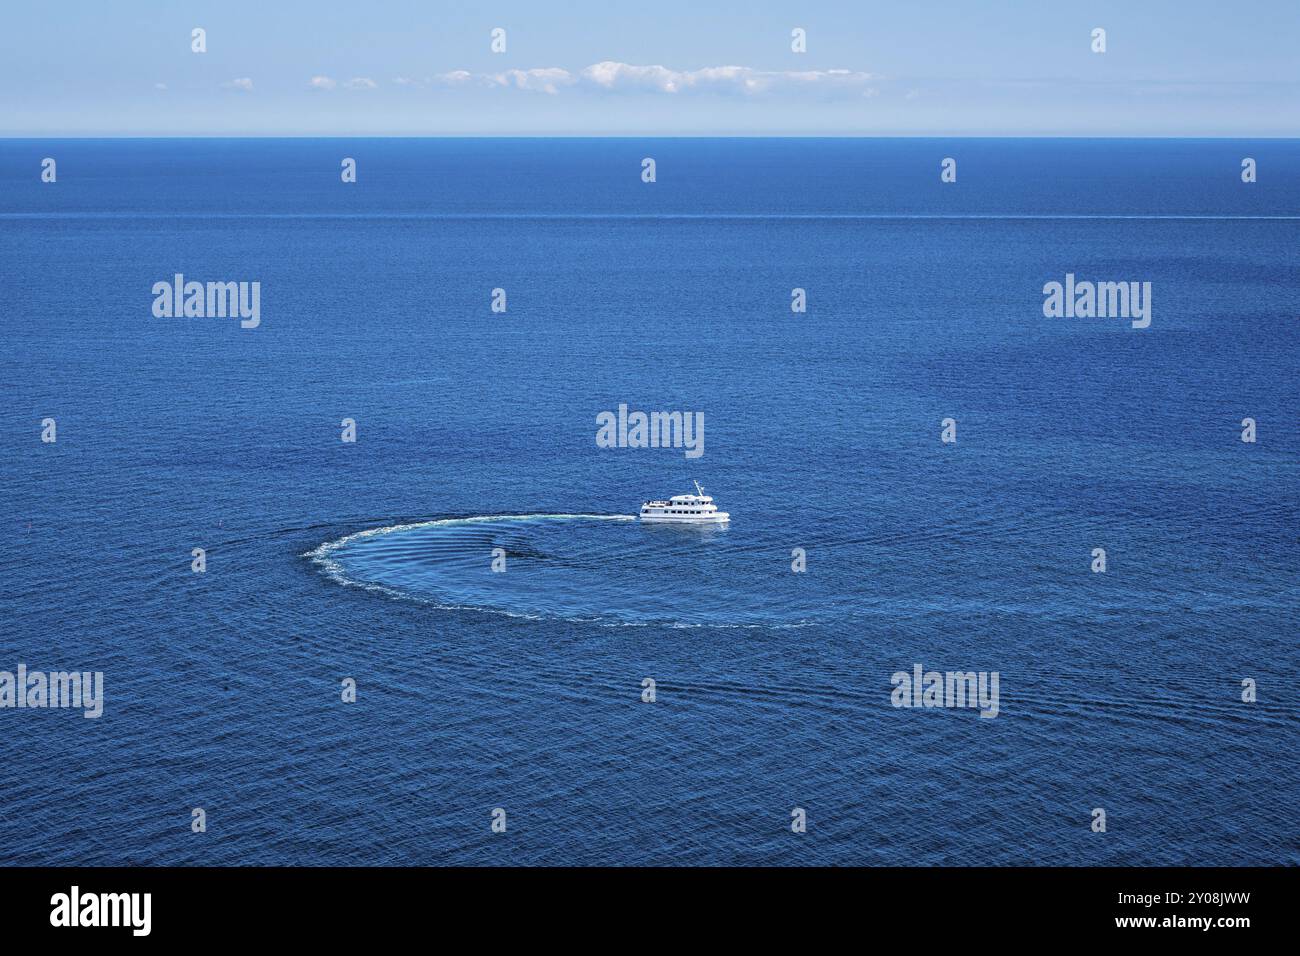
<point>718,517</point>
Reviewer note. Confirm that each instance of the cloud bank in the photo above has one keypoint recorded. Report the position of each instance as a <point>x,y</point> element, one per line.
<point>612,76</point>
<point>356,83</point>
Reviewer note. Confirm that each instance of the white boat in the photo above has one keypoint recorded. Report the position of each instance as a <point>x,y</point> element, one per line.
<point>684,509</point>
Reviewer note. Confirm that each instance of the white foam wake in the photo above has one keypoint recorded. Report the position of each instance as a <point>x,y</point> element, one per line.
<point>321,555</point>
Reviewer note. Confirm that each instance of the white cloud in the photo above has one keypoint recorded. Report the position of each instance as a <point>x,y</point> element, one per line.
<point>243,84</point>
<point>322,83</point>
<point>613,76</point>
<point>546,80</point>
<point>160,86</point>
<point>361,83</point>
<point>541,80</point>
<point>454,78</point>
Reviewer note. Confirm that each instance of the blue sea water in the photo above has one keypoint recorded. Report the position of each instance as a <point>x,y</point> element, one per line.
<point>522,690</point>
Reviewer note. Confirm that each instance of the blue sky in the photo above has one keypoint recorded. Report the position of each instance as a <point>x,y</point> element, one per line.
<point>660,67</point>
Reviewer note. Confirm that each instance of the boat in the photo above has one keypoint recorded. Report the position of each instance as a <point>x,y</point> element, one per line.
<point>684,509</point>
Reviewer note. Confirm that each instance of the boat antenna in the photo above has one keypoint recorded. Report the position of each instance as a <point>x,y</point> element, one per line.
<point>699,490</point>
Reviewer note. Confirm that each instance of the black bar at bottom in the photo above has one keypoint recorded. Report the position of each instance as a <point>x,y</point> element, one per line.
<point>211,905</point>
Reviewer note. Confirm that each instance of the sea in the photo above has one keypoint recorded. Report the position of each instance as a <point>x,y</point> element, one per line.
<point>365,588</point>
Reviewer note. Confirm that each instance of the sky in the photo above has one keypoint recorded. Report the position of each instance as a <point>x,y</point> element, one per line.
<point>653,68</point>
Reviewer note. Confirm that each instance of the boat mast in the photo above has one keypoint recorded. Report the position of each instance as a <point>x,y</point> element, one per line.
<point>699,490</point>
